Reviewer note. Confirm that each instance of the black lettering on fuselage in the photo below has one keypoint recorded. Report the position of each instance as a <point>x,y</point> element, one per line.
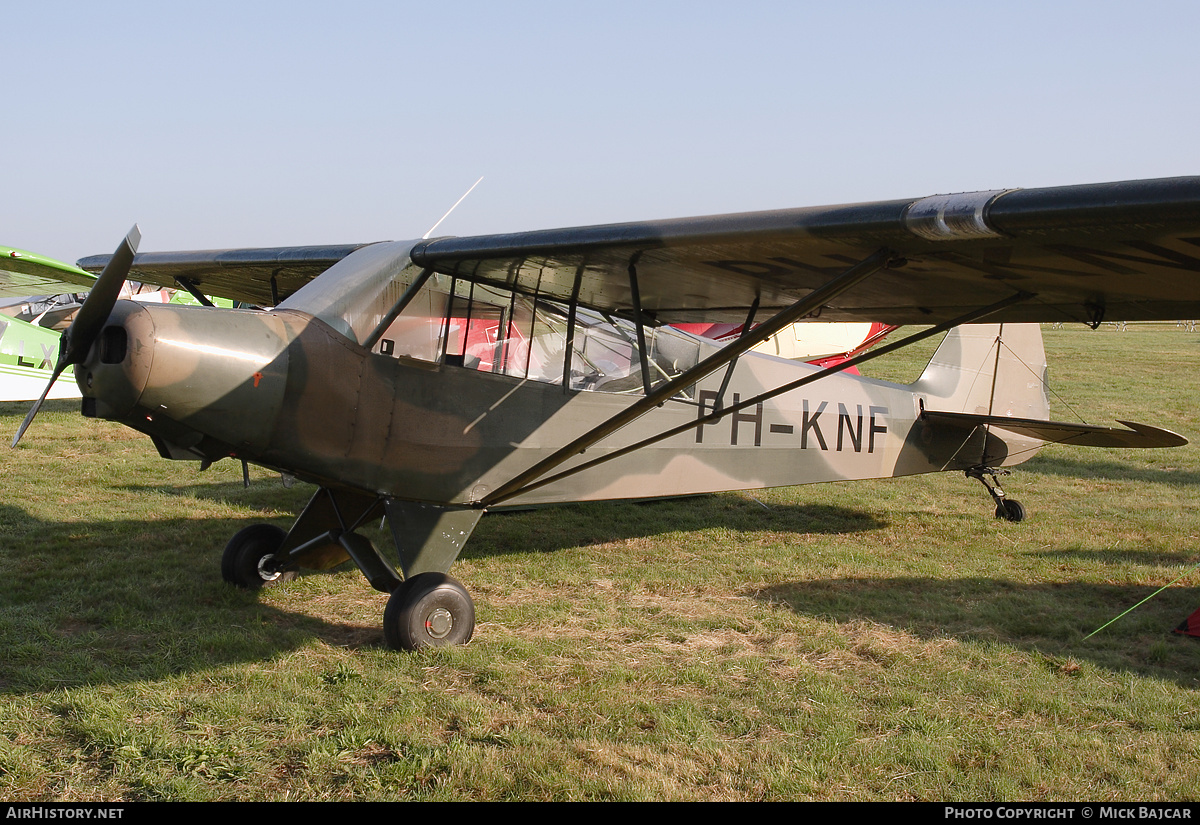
<point>738,418</point>
<point>844,426</point>
<point>710,401</point>
<point>47,357</point>
<point>810,423</point>
<point>850,426</point>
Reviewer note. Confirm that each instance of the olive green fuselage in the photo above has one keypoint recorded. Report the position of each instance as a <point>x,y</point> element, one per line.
<point>287,391</point>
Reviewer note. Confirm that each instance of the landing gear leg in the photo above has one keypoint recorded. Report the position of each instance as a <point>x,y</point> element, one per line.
<point>1006,508</point>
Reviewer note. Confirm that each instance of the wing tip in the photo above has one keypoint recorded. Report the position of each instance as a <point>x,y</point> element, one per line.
<point>1157,435</point>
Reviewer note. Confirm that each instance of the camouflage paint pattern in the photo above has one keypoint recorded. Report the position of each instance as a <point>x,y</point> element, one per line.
<point>296,392</point>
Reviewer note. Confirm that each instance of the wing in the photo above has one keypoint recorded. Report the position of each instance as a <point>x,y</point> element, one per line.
<point>1121,251</point>
<point>1116,251</point>
<point>27,273</point>
<point>257,276</point>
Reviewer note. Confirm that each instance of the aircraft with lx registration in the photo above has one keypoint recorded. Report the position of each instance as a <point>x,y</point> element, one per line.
<point>29,348</point>
<point>28,351</point>
<point>430,380</point>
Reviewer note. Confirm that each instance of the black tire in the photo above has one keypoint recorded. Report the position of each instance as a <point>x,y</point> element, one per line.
<point>428,610</point>
<point>244,556</point>
<point>1010,510</point>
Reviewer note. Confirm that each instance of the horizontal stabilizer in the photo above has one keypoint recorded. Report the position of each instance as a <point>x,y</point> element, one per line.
<point>1060,432</point>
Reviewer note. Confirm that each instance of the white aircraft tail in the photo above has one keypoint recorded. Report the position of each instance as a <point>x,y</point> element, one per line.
<point>981,377</point>
<point>988,369</point>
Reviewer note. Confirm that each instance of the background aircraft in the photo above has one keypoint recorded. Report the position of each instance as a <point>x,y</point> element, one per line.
<point>31,324</point>
<point>823,343</point>
<point>372,378</point>
<point>27,356</point>
<point>29,350</point>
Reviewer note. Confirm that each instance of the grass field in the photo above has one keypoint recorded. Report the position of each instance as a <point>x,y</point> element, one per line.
<point>863,641</point>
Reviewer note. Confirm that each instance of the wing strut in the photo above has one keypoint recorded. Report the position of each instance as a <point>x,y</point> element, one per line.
<point>782,319</point>
<point>714,416</point>
<point>746,327</point>
<point>636,295</point>
<point>191,289</point>
<point>571,314</point>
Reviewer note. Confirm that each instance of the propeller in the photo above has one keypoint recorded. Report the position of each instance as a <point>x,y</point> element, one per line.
<point>89,321</point>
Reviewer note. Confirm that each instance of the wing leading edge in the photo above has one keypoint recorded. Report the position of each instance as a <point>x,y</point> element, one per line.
<point>1127,251</point>
<point>25,273</point>
<point>1117,251</point>
<point>257,276</point>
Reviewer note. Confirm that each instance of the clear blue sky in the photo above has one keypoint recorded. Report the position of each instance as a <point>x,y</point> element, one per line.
<point>224,124</point>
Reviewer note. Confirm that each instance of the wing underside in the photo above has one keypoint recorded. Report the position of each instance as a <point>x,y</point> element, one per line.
<point>257,276</point>
<point>1121,251</point>
<point>25,274</point>
<point>1116,251</point>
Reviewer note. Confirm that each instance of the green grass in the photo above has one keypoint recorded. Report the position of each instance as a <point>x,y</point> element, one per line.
<point>880,640</point>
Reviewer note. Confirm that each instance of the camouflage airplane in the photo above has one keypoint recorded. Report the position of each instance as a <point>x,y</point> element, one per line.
<point>430,380</point>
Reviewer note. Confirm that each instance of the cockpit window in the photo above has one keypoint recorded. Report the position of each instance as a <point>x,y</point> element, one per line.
<point>484,328</point>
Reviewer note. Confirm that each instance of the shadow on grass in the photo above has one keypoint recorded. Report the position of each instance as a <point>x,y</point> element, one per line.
<point>263,494</point>
<point>554,527</point>
<point>115,602</point>
<point>1049,618</point>
<point>592,523</point>
<point>118,601</point>
<point>1106,468</point>
<point>1122,556</point>
<point>18,409</point>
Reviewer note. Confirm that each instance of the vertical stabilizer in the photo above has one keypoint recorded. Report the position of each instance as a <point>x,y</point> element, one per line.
<point>988,369</point>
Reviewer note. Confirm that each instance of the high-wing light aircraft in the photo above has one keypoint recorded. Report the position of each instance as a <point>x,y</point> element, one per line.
<point>27,350</point>
<point>429,380</point>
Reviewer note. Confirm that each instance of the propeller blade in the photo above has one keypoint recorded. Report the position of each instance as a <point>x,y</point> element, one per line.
<point>78,338</point>
<point>37,405</point>
<point>89,321</point>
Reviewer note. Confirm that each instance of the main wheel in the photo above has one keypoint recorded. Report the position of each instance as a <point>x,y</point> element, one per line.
<point>428,610</point>
<point>247,557</point>
<point>1010,510</point>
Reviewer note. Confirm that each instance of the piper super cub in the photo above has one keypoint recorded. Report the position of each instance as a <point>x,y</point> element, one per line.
<point>429,380</point>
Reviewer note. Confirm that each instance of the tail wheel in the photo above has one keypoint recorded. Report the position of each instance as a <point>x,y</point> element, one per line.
<point>1010,510</point>
<point>428,610</point>
<point>247,560</point>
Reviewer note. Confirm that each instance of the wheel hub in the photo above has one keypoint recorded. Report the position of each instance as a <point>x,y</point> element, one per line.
<point>266,568</point>
<point>439,623</point>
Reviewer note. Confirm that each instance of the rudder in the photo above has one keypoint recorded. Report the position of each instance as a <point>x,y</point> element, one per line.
<point>988,369</point>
